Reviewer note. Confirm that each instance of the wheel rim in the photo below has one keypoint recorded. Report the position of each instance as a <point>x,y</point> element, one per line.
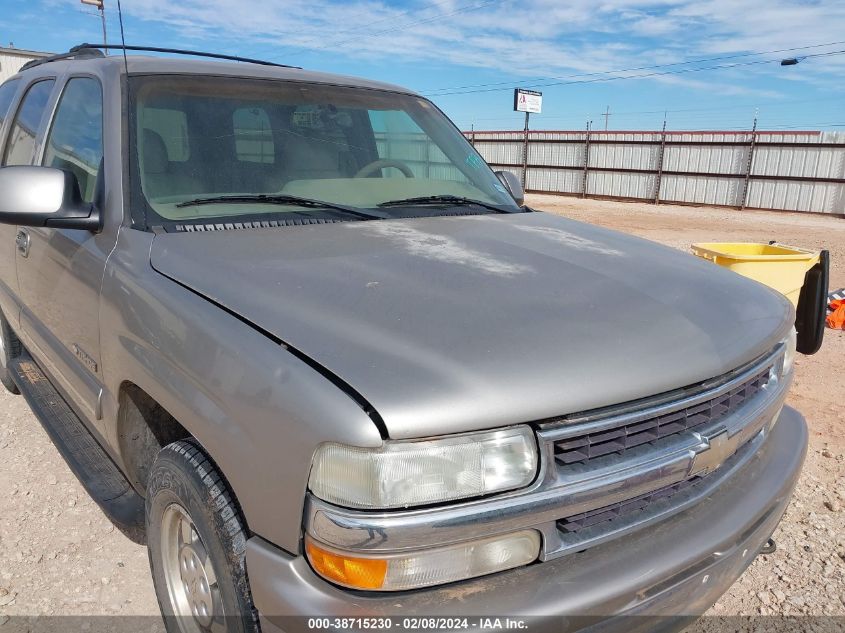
<point>189,574</point>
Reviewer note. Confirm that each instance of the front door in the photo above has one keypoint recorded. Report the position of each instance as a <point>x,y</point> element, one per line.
<point>60,271</point>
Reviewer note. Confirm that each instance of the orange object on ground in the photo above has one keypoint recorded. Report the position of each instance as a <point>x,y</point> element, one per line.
<point>836,319</point>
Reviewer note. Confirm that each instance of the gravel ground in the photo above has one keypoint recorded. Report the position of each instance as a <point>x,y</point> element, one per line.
<point>60,555</point>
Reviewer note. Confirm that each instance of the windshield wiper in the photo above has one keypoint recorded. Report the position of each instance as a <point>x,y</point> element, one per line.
<point>455,201</point>
<point>285,200</point>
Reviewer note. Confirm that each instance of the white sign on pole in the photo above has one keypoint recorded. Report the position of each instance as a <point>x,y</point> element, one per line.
<point>527,100</point>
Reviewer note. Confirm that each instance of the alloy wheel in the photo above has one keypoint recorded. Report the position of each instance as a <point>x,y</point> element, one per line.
<point>189,573</point>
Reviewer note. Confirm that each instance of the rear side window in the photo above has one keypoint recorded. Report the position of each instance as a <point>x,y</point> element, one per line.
<point>75,142</point>
<point>20,145</point>
<point>7,93</point>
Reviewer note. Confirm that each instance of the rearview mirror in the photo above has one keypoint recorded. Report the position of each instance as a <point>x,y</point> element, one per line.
<point>44,196</point>
<point>512,184</point>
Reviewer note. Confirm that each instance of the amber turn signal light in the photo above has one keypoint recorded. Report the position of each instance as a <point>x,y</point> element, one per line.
<point>357,573</point>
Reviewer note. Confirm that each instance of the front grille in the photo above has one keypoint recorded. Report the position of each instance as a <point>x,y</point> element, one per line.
<point>582,448</point>
<point>578,522</point>
<point>586,525</point>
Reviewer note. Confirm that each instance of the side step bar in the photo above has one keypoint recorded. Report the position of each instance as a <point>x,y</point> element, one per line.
<point>89,462</point>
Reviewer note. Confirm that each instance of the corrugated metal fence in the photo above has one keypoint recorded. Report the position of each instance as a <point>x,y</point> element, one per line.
<point>423,157</point>
<point>792,171</point>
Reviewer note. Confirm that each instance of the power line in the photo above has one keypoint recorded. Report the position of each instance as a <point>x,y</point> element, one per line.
<point>624,70</point>
<point>741,106</point>
<point>639,76</point>
<point>689,115</point>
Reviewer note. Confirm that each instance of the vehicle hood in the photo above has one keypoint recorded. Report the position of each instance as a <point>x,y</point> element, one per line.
<point>451,324</point>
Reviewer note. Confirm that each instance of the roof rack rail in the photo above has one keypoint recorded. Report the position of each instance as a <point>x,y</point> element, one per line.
<point>176,51</point>
<point>74,53</point>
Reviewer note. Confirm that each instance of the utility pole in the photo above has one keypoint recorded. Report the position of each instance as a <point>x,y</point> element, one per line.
<point>606,116</point>
<point>100,4</point>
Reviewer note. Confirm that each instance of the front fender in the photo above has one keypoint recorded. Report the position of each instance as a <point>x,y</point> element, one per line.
<point>259,411</point>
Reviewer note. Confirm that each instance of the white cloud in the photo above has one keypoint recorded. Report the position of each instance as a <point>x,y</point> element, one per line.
<point>532,38</point>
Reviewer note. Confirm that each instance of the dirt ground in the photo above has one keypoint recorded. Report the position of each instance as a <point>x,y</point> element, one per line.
<point>60,555</point>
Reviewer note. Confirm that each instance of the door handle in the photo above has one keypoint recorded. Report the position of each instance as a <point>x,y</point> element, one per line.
<point>22,241</point>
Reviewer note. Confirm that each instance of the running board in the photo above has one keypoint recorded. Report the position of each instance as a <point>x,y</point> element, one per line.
<point>91,464</point>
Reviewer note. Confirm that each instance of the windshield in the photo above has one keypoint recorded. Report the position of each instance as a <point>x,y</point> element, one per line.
<point>198,138</point>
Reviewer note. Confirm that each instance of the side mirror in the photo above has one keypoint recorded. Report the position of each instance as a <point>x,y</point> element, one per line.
<point>44,196</point>
<point>512,184</point>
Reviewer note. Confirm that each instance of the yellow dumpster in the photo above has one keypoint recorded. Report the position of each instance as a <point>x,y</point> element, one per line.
<point>780,267</point>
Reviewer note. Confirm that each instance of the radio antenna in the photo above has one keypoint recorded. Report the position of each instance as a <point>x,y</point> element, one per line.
<point>122,39</point>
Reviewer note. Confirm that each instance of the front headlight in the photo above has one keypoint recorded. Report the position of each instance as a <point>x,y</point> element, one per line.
<point>791,343</point>
<point>400,474</point>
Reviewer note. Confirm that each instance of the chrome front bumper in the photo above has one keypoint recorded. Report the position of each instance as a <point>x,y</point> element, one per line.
<point>678,567</point>
<point>717,450</point>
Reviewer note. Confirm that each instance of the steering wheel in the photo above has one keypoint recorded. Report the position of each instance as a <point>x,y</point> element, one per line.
<point>376,165</point>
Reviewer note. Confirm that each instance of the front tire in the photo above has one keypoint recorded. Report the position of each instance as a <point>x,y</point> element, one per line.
<point>197,545</point>
<point>10,347</point>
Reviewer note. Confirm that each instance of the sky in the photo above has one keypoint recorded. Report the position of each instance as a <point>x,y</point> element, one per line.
<point>700,64</point>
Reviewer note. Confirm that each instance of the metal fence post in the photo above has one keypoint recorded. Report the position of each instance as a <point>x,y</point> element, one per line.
<point>749,165</point>
<point>525,154</point>
<point>659,176</point>
<point>586,161</point>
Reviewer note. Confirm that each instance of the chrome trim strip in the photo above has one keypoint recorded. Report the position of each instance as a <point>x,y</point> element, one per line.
<point>668,397</point>
<point>558,491</point>
<point>555,432</point>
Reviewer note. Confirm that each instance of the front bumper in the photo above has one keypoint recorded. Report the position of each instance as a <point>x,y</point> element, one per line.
<point>675,568</point>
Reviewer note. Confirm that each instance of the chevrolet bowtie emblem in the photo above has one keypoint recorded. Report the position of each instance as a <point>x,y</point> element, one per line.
<point>711,458</point>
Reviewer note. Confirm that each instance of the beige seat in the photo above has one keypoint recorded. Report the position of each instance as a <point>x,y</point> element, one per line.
<point>159,178</point>
<point>308,158</point>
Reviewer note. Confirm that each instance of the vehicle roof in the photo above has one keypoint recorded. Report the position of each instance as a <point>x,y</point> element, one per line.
<point>148,64</point>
